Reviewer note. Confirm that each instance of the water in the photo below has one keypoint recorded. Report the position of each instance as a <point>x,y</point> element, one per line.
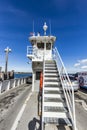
<point>22,75</point>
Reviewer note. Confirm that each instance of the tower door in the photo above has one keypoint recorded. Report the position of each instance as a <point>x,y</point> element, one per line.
<point>37,81</point>
<point>38,75</point>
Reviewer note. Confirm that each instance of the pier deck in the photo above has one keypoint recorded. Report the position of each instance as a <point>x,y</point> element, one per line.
<point>30,119</point>
<point>21,99</point>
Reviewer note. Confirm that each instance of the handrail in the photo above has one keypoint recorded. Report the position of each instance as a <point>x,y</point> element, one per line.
<point>33,52</point>
<point>43,91</point>
<point>67,86</point>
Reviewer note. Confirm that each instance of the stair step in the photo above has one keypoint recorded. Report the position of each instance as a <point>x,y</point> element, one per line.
<point>54,104</point>
<point>50,63</point>
<point>52,95</point>
<point>54,100</point>
<point>55,109</point>
<point>55,114</point>
<point>52,88</point>
<point>51,83</point>
<point>51,78</point>
<point>51,74</point>
<point>51,68</point>
<point>57,121</point>
<point>52,92</point>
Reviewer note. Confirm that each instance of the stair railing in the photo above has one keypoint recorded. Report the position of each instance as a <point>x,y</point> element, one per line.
<point>66,85</point>
<point>42,123</point>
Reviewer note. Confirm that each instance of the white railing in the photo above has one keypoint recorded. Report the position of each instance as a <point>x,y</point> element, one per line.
<point>67,86</point>
<point>9,84</point>
<point>29,50</point>
<point>34,53</point>
<point>42,125</point>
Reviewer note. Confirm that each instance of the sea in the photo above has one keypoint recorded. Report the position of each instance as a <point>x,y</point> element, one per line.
<point>21,75</point>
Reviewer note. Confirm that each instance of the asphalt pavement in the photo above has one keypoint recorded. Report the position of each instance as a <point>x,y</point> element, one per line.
<point>12,102</point>
<point>10,105</point>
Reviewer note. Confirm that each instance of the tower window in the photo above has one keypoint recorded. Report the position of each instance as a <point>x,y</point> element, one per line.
<point>40,45</point>
<point>48,46</point>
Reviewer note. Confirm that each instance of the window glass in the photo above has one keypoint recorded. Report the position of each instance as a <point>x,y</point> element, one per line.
<point>40,45</point>
<point>48,46</point>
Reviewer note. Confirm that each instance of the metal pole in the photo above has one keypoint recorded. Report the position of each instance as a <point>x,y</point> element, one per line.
<point>6,63</point>
<point>7,50</point>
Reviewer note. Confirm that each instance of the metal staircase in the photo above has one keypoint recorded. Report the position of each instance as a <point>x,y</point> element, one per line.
<point>58,100</point>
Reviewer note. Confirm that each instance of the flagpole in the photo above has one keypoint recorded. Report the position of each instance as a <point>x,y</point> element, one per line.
<point>50,26</point>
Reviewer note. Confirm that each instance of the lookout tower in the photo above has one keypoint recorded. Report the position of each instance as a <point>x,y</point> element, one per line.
<point>57,104</point>
<point>40,50</point>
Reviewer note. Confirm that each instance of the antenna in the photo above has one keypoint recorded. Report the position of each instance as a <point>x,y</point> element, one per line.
<point>50,26</point>
<point>33,27</point>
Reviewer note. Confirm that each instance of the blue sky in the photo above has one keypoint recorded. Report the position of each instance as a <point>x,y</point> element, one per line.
<point>69,25</point>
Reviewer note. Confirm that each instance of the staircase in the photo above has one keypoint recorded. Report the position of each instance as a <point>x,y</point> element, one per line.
<point>55,110</point>
<point>57,102</point>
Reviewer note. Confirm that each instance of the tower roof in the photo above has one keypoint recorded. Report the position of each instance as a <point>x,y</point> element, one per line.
<point>34,39</point>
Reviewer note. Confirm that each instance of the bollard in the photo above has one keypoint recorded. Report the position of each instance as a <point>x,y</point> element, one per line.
<point>12,83</point>
<point>18,83</point>
<point>5,85</point>
<point>0,86</point>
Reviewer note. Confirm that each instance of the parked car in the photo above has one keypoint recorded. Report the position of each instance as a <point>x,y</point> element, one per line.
<point>75,84</point>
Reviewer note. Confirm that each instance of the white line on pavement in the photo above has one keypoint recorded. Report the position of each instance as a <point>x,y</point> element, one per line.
<point>82,93</point>
<point>14,126</point>
<point>83,103</point>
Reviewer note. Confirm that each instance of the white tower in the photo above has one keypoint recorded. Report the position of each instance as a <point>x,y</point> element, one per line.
<point>40,50</point>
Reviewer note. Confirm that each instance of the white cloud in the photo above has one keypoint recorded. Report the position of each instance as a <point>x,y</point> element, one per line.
<point>83,61</point>
<point>83,67</point>
<point>77,64</point>
<point>81,64</point>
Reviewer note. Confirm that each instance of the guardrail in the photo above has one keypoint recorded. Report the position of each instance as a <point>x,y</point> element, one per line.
<point>66,85</point>
<point>6,85</point>
<point>34,53</point>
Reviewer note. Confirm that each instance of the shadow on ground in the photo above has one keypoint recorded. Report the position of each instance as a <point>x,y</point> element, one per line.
<point>34,124</point>
<point>61,128</point>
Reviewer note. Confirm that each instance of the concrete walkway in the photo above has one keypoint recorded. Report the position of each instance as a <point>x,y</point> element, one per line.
<point>30,119</point>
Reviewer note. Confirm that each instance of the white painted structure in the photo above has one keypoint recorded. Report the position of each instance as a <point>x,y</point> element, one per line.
<point>58,106</point>
<point>41,48</point>
<point>7,85</point>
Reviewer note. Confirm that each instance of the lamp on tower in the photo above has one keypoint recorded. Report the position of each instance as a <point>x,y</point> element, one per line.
<point>45,28</point>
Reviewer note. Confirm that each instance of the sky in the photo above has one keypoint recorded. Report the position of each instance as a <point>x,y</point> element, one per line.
<point>68,23</point>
